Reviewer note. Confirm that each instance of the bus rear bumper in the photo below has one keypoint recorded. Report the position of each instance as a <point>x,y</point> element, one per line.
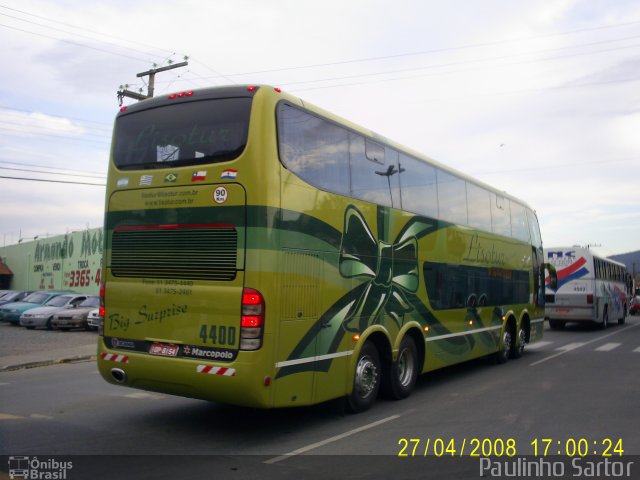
<point>212,381</point>
<point>582,313</point>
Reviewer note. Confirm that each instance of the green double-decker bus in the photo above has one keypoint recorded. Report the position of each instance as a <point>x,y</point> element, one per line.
<point>263,252</point>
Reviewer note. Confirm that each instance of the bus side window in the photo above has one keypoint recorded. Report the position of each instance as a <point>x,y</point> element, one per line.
<point>500,215</point>
<point>419,191</point>
<point>371,178</point>
<point>314,149</point>
<point>452,198</point>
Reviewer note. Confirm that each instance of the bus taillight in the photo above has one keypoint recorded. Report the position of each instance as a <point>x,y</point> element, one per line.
<point>252,323</point>
<point>590,299</point>
<point>101,309</point>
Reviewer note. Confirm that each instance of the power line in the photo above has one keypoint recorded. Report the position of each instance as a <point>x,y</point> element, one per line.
<point>410,77</point>
<point>437,50</point>
<point>488,59</point>
<point>49,136</point>
<point>73,33</point>
<point>38,129</point>
<point>44,166</point>
<point>465,62</point>
<point>53,181</point>
<point>95,32</point>
<point>77,44</point>
<point>52,173</point>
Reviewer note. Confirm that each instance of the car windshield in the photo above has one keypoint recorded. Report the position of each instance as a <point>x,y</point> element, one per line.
<point>10,297</point>
<point>91,302</point>
<point>37,297</point>
<point>59,301</point>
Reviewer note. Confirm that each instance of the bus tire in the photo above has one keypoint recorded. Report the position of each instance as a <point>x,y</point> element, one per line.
<point>624,316</point>
<point>366,379</point>
<point>401,380</point>
<point>502,355</point>
<point>556,324</point>
<point>605,318</point>
<point>517,347</point>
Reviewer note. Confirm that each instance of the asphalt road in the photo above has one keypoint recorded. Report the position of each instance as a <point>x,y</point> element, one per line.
<point>577,389</point>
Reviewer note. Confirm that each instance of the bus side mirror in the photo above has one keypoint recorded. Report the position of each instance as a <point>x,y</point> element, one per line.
<point>553,276</point>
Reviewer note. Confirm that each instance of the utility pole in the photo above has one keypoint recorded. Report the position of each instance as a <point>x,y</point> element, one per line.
<point>123,92</point>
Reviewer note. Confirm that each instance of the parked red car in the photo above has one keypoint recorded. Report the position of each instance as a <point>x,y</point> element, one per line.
<point>634,308</point>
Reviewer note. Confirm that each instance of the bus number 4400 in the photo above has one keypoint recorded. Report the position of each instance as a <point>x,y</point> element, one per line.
<point>218,335</point>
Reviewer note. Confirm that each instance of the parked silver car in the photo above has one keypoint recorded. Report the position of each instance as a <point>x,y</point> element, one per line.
<point>75,317</point>
<point>42,316</point>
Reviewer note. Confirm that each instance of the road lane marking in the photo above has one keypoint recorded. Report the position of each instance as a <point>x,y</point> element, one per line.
<point>39,416</point>
<point>637,350</point>
<point>538,345</point>
<point>570,346</point>
<point>327,441</point>
<point>8,416</point>
<point>607,347</point>
<point>617,331</point>
<point>144,396</point>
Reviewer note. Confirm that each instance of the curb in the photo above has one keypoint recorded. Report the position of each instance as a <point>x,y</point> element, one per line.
<point>45,363</point>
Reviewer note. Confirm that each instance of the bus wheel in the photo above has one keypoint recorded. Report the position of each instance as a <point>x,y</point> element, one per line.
<point>502,355</point>
<point>624,316</point>
<point>605,319</point>
<point>366,382</point>
<point>404,372</point>
<point>517,348</point>
<point>556,324</point>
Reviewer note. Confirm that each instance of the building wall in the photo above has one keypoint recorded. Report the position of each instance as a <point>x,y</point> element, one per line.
<point>65,262</point>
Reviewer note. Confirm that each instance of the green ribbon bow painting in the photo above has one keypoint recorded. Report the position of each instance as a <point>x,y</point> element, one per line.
<point>387,276</point>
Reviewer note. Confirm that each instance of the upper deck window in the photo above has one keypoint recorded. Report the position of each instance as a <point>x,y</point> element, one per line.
<point>188,133</point>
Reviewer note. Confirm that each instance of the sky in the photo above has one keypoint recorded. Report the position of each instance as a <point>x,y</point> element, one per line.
<point>538,98</point>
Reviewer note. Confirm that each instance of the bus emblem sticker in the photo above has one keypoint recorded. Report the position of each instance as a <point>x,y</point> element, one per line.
<point>220,195</point>
<point>229,174</point>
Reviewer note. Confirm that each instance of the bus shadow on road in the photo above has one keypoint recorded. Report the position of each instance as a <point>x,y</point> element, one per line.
<point>228,429</point>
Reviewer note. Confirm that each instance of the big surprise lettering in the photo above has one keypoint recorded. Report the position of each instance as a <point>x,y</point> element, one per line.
<point>120,322</point>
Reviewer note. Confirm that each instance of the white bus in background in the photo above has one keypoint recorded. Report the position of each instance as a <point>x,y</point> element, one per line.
<point>590,288</point>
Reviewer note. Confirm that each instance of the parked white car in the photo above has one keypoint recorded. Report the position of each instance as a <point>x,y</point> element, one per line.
<point>94,320</point>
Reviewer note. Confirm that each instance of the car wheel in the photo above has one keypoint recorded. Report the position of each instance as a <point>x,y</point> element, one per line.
<point>366,381</point>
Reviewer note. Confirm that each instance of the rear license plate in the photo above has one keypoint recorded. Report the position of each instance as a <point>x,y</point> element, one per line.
<point>164,349</point>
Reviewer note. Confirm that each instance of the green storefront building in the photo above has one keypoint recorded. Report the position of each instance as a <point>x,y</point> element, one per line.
<point>65,262</point>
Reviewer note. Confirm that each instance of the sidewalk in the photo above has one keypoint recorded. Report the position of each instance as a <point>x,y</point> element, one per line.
<point>22,348</point>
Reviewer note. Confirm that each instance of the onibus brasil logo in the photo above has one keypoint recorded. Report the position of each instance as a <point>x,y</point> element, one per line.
<point>34,468</point>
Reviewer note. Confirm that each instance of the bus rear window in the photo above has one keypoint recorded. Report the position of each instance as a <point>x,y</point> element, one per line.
<point>189,133</point>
